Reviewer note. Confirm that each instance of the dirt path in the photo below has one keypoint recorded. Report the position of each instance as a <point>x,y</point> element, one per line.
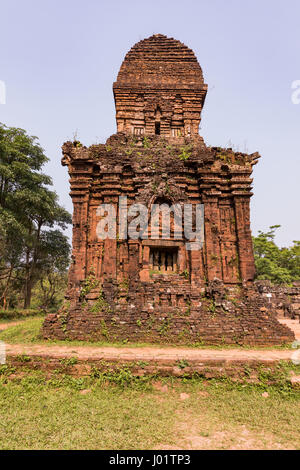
<point>293,325</point>
<point>237,438</point>
<point>3,326</point>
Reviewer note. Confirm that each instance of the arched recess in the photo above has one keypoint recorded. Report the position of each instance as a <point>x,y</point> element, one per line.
<point>164,234</point>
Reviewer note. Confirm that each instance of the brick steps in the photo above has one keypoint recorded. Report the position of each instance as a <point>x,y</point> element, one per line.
<point>239,365</point>
<point>294,325</point>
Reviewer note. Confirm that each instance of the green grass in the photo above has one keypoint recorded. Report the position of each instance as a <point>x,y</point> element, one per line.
<point>8,320</point>
<point>41,417</point>
<point>40,414</point>
<point>23,319</point>
<point>19,314</point>
<point>28,331</point>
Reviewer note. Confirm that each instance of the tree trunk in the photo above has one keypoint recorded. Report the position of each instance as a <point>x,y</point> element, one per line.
<point>3,296</point>
<point>28,290</point>
<point>28,283</point>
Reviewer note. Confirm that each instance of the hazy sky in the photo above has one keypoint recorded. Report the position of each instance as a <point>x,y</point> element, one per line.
<point>59,59</point>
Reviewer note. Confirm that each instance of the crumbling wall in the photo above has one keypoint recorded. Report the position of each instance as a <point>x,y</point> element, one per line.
<point>283,300</point>
<point>216,315</point>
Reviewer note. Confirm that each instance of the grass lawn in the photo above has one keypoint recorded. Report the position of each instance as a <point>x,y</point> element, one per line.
<point>15,320</point>
<point>125,412</point>
<point>28,331</point>
<point>89,413</point>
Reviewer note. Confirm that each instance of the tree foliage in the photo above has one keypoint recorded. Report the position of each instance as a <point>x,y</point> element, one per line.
<point>30,216</point>
<point>279,265</point>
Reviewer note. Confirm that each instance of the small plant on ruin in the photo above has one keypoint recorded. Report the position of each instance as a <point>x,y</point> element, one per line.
<point>124,285</point>
<point>154,186</point>
<point>188,311</point>
<point>100,305</point>
<point>150,322</point>
<point>104,330</point>
<point>185,274</point>
<point>167,189</point>
<point>67,362</point>
<point>66,306</point>
<point>77,144</point>
<point>214,258</point>
<point>182,363</point>
<point>164,327</point>
<point>63,318</point>
<point>88,285</point>
<point>188,303</point>
<point>233,261</point>
<point>146,143</point>
<point>184,155</point>
<point>142,364</point>
<point>225,158</point>
<point>23,358</point>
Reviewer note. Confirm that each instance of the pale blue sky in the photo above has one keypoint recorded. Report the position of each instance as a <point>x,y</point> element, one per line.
<point>60,58</point>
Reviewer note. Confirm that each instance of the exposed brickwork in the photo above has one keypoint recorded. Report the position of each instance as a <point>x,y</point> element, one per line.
<point>116,287</point>
<point>160,81</point>
<point>243,369</point>
<point>284,300</point>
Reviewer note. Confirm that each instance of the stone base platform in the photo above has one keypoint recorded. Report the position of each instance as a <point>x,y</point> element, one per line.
<point>238,364</point>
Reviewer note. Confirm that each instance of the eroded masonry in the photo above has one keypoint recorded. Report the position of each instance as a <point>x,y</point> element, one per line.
<point>155,289</point>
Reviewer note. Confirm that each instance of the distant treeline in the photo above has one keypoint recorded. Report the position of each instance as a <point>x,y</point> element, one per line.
<point>279,265</point>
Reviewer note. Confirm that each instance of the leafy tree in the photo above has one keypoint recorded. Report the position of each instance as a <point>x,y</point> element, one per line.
<point>28,210</point>
<point>43,211</point>
<point>11,249</point>
<point>279,265</point>
<point>55,252</point>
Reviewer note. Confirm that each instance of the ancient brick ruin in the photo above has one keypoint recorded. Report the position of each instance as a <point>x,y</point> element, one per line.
<point>156,290</point>
<point>283,300</point>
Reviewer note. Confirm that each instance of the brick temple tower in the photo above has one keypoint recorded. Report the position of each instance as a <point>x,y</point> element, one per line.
<point>159,90</point>
<point>152,287</point>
